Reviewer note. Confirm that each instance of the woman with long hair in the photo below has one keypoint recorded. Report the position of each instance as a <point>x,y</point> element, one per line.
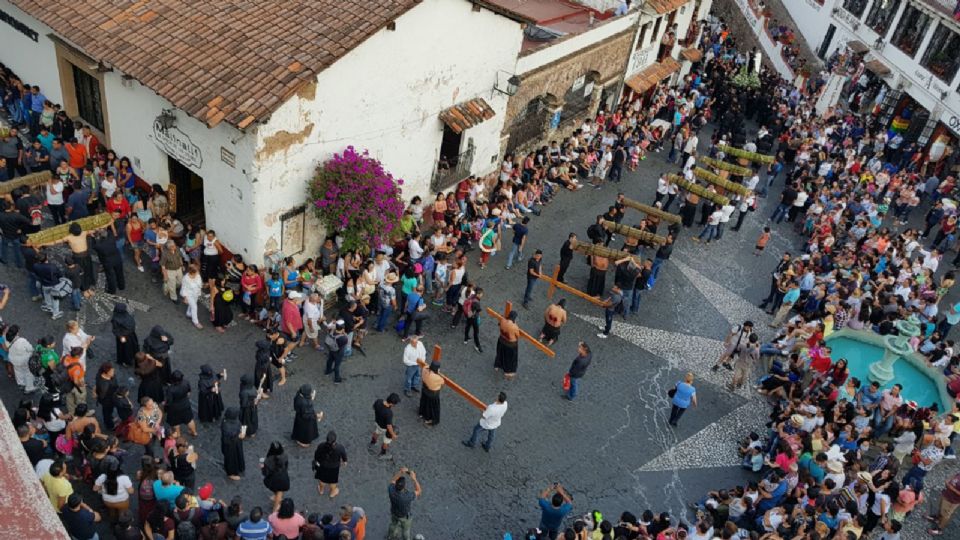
<point>146,499</point>
<point>327,460</point>
<point>286,521</point>
<point>275,475</point>
<point>114,488</point>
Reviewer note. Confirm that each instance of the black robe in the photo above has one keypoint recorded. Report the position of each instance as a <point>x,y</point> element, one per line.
<point>222,313</point>
<point>151,383</point>
<point>155,346</point>
<point>262,372</point>
<point>177,408</point>
<point>305,417</point>
<point>124,326</point>
<point>275,475</point>
<point>248,406</point>
<point>231,445</point>
<point>209,403</point>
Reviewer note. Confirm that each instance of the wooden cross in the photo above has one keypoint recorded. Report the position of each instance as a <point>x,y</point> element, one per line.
<point>535,342</point>
<point>557,284</point>
<point>471,399</point>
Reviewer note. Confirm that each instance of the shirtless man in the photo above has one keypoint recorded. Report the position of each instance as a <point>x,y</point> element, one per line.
<point>553,319</point>
<point>79,243</point>
<point>507,357</point>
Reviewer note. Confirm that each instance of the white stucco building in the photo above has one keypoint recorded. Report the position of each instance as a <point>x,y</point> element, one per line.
<point>253,113</point>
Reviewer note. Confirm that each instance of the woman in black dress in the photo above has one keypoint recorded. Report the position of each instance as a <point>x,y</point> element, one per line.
<point>275,475</point>
<point>148,369</point>
<point>261,371</point>
<point>232,434</point>
<point>249,399</point>
<point>305,417</point>
<point>221,297</point>
<point>177,404</point>
<point>158,345</point>
<point>327,460</point>
<point>125,331</point>
<point>432,382</point>
<point>103,391</point>
<point>209,400</point>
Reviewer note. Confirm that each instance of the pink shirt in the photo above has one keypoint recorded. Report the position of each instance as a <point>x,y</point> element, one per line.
<point>290,316</point>
<point>289,527</point>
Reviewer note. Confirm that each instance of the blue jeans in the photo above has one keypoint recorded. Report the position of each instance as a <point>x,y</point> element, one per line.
<point>635,300</point>
<point>348,350</point>
<point>710,231</point>
<point>608,321</point>
<point>514,252</point>
<point>779,213</point>
<point>32,283</point>
<point>655,271</point>
<point>767,348</point>
<point>411,378</point>
<point>914,477</point>
<point>76,299</point>
<point>627,297</point>
<point>719,234</point>
<point>17,254</point>
<point>880,425</point>
<point>476,436</point>
<point>574,388</point>
<point>529,291</point>
<point>385,313</point>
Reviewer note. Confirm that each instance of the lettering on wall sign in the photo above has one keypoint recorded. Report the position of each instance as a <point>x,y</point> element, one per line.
<point>815,5</point>
<point>641,59</point>
<point>846,17</point>
<point>19,26</point>
<point>748,13</point>
<point>954,123</point>
<point>177,145</point>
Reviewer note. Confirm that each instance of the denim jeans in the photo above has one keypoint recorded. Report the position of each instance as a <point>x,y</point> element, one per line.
<point>779,213</point>
<point>348,349</point>
<point>914,477</point>
<point>574,388</point>
<point>710,231</point>
<point>76,299</point>
<point>51,301</point>
<point>608,321</point>
<point>635,300</point>
<point>385,313</point>
<point>427,283</point>
<point>529,290</point>
<point>17,254</point>
<point>655,271</point>
<point>476,436</point>
<point>33,284</point>
<point>411,378</point>
<point>719,233</point>
<point>514,252</point>
<point>627,301</point>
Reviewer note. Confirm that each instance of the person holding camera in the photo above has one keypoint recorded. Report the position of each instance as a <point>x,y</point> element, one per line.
<point>401,501</point>
<point>554,510</point>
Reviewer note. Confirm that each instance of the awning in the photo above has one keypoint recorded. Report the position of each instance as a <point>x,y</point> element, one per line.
<point>877,67</point>
<point>467,114</point>
<point>692,54</point>
<point>664,6</point>
<point>651,75</point>
<point>857,46</point>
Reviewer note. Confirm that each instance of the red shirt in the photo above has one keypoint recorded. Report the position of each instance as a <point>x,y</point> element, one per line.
<point>820,362</point>
<point>78,155</point>
<point>122,206</point>
<point>290,317</point>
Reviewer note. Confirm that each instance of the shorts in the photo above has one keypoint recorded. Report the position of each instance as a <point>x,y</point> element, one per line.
<point>382,431</point>
<point>311,334</point>
<point>290,339</point>
<point>137,245</point>
<point>759,247</point>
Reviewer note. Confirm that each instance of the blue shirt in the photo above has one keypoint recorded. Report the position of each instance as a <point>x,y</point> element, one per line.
<point>166,494</point>
<point>519,231</point>
<point>552,517</point>
<point>684,395</point>
<point>46,141</point>
<point>249,530</point>
<point>36,102</point>
<point>791,296</point>
<point>77,202</point>
<point>413,302</point>
<point>274,288</point>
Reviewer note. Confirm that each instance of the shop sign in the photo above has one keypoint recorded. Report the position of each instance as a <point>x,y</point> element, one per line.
<point>19,26</point>
<point>815,4</point>
<point>177,145</point>
<point>748,13</point>
<point>954,123</point>
<point>847,17</point>
<point>641,59</point>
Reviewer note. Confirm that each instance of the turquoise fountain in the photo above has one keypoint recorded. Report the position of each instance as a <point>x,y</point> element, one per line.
<point>896,346</point>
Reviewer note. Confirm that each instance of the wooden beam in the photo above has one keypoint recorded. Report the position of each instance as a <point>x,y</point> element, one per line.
<point>472,399</point>
<point>535,342</point>
<point>651,210</point>
<point>553,288</point>
<point>576,292</point>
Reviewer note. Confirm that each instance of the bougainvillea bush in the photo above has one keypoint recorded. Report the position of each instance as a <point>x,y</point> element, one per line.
<point>353,195</point>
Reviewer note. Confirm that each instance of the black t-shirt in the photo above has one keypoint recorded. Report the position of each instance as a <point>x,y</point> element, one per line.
<point>348,321</point>
<point>626,276</point>
<point>565,251</point>
<point>533,265</point>
<point>34,449</point>
<point>643,278</point>
<point>13,224</point>
<point>788,196</point>
<point>382,414</point>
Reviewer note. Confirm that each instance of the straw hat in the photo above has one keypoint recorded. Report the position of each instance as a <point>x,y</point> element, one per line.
<point>864,476</point>
<point>835,467</point>
<point>796,420</point>
<point>391,277</point>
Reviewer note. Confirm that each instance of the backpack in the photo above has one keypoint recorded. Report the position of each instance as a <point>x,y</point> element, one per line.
<point>468,306</point>
<point>62,289</point>
<point>331,342</point>
<point>35,213</point>
<point>60,379</point>
<point>34,365</point>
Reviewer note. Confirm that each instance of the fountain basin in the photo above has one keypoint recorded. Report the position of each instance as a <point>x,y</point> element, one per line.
<point>921,383</point>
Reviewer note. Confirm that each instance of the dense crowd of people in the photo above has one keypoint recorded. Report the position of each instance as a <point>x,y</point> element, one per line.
<point>828,467</point>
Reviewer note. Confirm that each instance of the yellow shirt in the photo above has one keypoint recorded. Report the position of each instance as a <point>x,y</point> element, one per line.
<point>57,488</point>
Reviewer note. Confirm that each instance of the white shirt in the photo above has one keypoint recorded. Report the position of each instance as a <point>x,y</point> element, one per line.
<point>109,187</point>
<point>492,415</point>
<point>43,467</point>
<point>192,286</point>
<point>76,340</point>
<point>123,484</point>
<point>662,185</point>
<point>55,192</point>
<point>415,250</point>
<point>412,353</point>
<point>752,182</point>
<point>312,312</point>
<point>726,212</point>
<point>801,199</point>
<point>691,144</point>
<point>715,217</point>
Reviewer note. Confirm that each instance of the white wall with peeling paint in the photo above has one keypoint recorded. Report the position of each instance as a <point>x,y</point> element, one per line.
<point>385,96</point>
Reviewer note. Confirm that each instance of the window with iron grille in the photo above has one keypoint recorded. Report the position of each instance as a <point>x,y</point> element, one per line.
<point>87,90</point>
<point>941,57</point>
<point>881,15</point>
<point>910,30</point>
<point>855,7</point>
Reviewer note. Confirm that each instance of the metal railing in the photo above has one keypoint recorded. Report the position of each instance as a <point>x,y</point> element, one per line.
<point>452,170</point>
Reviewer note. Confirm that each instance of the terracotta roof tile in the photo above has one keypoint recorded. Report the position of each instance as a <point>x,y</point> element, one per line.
<point>467,114</point>
<point>664,6</point>
<point>238,50</point>
<point>652,74</point>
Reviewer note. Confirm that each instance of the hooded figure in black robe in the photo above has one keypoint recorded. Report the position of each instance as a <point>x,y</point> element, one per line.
<point>261,372</point>
<point>305,417</point>
<point>125,331</point>
<point>248,405</point>
<point>177,403</point>
<point>209,400</point>
<point>231,442</point>
<point>158,345</point>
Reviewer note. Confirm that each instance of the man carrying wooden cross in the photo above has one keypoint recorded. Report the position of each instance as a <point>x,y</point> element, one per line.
<point>507,351</point>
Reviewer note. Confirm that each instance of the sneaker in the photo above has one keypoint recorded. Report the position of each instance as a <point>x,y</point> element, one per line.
<point>57,316</point>
<point>950,456</point>
<point>478,349</point>
<point>385,457</point>
<point>36,298</point>
<point>466,341</point>
<point>467,444</point>
<point>601,335</point>
<point>48,309</point>
<point>140,268</point>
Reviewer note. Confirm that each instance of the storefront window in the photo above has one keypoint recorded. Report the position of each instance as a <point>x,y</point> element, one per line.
<point>941,56</point>
<point>881,15</point>
<point>910,30</point>
<point>855,7</point>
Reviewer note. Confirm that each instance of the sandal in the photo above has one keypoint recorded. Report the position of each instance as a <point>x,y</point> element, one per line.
<point>199,326</point>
